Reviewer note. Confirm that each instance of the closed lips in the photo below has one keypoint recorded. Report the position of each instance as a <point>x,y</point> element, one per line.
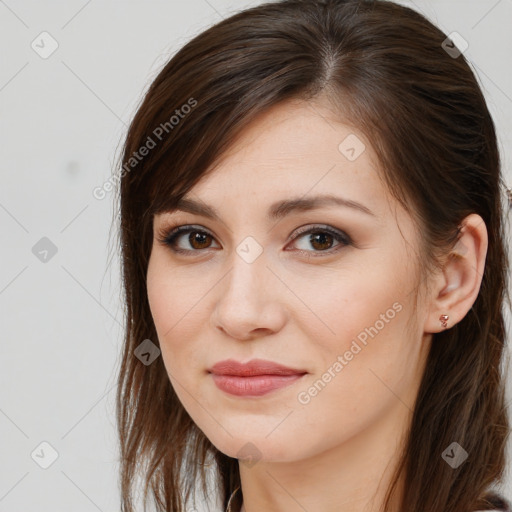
<point>253,379</point>
<point>253,368</point>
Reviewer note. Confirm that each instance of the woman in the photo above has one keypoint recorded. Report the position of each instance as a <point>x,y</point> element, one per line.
<point>312,240</point>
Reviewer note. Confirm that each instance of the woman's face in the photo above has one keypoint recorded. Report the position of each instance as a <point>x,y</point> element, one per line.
<point>335,302</point>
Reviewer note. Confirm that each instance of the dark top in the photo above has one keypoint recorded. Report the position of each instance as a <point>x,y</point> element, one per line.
<point>501,503</point>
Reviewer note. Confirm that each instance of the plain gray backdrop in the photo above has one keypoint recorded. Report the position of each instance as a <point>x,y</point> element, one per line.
<point>71,76</point>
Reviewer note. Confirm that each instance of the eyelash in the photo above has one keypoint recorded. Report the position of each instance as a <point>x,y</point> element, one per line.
<point>169,236</point>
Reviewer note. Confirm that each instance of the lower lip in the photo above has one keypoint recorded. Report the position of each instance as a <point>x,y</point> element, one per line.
<point>257,385</point>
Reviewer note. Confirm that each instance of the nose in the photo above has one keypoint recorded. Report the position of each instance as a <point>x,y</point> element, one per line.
<point>249,300</point>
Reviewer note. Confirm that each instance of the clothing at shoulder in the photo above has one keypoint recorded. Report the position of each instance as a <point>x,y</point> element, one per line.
<point>500,502</point>
<point>497,501</point>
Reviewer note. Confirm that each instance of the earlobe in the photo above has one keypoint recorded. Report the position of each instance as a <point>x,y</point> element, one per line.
<point>456,288</point>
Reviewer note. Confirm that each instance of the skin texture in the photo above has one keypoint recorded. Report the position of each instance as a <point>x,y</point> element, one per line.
<point>329,453</point>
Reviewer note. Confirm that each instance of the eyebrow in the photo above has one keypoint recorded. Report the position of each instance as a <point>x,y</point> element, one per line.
<point>277,210</point>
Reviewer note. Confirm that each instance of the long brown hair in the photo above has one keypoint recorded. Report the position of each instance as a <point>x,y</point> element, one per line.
<point>386,70</point>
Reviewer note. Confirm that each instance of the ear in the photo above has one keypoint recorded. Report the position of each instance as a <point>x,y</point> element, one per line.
<point>455,289</point>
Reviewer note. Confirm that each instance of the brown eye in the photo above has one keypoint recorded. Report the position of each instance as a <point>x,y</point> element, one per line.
<point>321,239</point>
<point>200,238</point>
<point>197,239</point>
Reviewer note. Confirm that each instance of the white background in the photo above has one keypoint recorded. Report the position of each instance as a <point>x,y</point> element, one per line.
<point>61,123</point>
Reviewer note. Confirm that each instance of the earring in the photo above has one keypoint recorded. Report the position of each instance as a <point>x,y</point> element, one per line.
<point>444,320</point>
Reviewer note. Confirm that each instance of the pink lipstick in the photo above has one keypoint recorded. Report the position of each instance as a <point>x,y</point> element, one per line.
<point>255,378</point>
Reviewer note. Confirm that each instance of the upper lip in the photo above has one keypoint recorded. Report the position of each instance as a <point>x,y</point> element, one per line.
<point>251,368</point>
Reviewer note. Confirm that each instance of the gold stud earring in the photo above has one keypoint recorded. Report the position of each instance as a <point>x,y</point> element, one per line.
<point>444,320</point>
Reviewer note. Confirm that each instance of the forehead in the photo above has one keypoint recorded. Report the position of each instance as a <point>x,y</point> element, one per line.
<point>295,150</point>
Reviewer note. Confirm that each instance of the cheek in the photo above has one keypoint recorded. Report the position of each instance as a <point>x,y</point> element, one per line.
<point>167,295</point>
<point>358,341</point>
<point>175,308</point>
<point>352,304</point>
